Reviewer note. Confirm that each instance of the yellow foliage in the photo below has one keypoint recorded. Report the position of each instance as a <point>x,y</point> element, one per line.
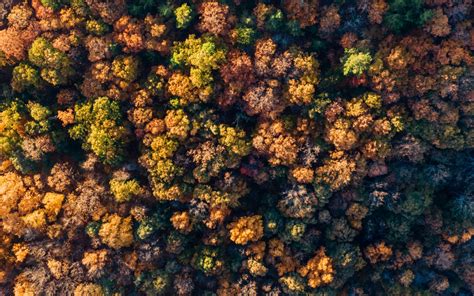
<point>54,231</point>
<point>3,276</point>
<point>57,268</point>
<point>163,147</point>
<point>293,284</point>
<point>95,260</point>
<point>52,204</point>
<point>216,198</point>
<point>301,91</point>
<point>116,231</point>
<point>30,201</point>
<point>245,229</point>
<point>24,288</point>
<point>337,172</point>
<point>181,86</point>
<point>378,252</point>
<point>177,124</point>
<point>216,216</point>
<point>382,127</point>
<point>234,140</point>
<point>356,212</point>
<point>21,251</point>
<point>341,138</point>
<point>11,190</point>
<point>276,249</point>
<point>36,219</point>
<point>164,192</point>
<point>88,290</point>
<point>256,267</point>
<point>319,270</point>
<point>375,149</point>
<point>355,108</point>
<point>303,174</point>
<point>181,222</point>
<point>407,278</point>
<point>273,139</point>
<point>373,100</point>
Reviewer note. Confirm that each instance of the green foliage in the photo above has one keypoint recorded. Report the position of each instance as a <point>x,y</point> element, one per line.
<point>20,124</point>
<point>154,84</point>
<point>80,7</point>
<point>234,140</point>
<point>406,14</point>
<point>443,136</point>
<point>54,4</point>
<point>275,21</point>
<point>245,35</point>
<point>348,260</point>
<point>165,10</point>
<point>56,67</point>
<point>200,53</point>
<point>416,202</point>
<point>11,118</point>
<point>39,114</point>
<point>294,230</point>
<point>140,8</point>
<point>92,229</point>
<point>98,125</point>
<point>25,77</point>
<point>150,224</point>
<point>462,209</point>
<point>208,260</point>
<point>146,228</point>
<point>183,15</point>
<point>355,62</point>
<point>303,150</point>
<point>272,222</point>
<point>294,29</point>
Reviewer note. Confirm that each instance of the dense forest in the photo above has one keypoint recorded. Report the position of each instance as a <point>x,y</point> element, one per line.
<point>236,147</point>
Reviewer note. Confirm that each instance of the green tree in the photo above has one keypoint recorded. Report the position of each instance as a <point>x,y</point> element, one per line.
<point>183,15</point>
<point>202,53</point>
<point>54,4</point>
<point>25,77</point>
<point>355,62</point>
<point>56,67</point>
<point>405,14</point>
<point>99,126</point>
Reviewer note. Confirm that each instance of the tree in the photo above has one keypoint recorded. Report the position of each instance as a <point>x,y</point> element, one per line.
<point>116,232</point>
<point>56,67</point>
<point>319,270</point>
<point>124,190</point>
<point>245,229</point>
<point>355,62</point>
<point>214,18</point>
<point>25,77</point>
<point>54,4</point>
<point>406,14</point>
<point>183,15</point>
<point>298,203</point>
<point>99,126</point>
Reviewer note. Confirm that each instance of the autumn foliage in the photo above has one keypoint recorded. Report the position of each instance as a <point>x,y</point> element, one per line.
<point>210,147</point>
